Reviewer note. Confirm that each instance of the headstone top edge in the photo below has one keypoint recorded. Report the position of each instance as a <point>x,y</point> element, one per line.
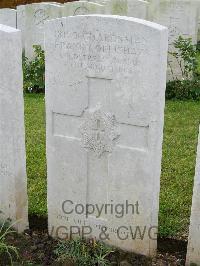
<point>143,1</point>
<point>179,1</point>
<point>8,9</point>
<point>112,17</point>
<point>84,2</point>
<point>20,6</point>
<point>42,4</point>
<point>7,29</point>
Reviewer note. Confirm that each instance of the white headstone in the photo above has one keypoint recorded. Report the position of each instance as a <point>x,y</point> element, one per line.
<point>181,17</point>
<point>13,180</point>
<point>82,8</point>
<point>55,3</point>
<point>130,8</point>
<point>198,34</point>
<point>35,17</point>
<point>105,107</point>
<point>8,17</point>
<point>153,5</point>
<point>193,253</point>
<point>21,22</point>
<point>138,9</point>
<point>117,7</point>
<point>102,2</point>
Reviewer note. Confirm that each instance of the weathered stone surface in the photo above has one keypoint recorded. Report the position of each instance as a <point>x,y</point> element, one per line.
<point>102,2</point>
<point>21,22</point>
<point>153,5</point>
<point>193,253</point>
<point>180,16</point>
<point>130,8</point>
<point>35,17</point>
<point>138,9</point>
<point>104,108</point>
<point>13,181</point>
<point>198,34</point>
<point>117,7</point>
<point>8,17</point>
<point>82,8</point>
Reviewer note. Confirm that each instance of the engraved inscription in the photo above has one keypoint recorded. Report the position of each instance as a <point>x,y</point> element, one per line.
<point>40,17</point>
<point>99,132</point>
<point>4,170</point>
<point>82,10</point>
<point>124,51</point>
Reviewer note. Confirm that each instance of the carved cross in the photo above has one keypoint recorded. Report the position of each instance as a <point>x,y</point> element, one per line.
<point>98,132</point>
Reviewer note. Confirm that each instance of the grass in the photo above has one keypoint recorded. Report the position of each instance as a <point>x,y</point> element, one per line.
<point>179,151</point>
<point>178,164</point>
<point>7,251</point>
<point>36,153</point>
<point>81,252</point>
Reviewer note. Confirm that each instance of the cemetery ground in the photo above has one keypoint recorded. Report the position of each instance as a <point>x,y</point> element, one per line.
<point>140,131</point>
<point>179,151</point>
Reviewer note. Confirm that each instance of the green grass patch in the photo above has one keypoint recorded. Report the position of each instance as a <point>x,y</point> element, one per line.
<point>178,164</point>
<point>179,151</point>
<point>36,153</point>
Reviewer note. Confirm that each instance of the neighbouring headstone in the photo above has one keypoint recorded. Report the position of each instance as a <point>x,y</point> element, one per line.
<point>193,252</point>
<point>198,34</point>
<point>82,8</point>
<point>117,7</point>
<point>181,17</point>
<point>56,3</point>
<point>13,180</point>
<point>35,17</point>
<point>21,22</point>
<point>8,17</point>
<point>153,5</point>
<point>102,2</point>
<point>130,8</point>
<point>138,9</point>
<point>105,108</point>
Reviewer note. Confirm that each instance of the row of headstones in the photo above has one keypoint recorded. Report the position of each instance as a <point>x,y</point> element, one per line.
<point>30,18</point>
<point>105,116</point>
<point>180,16</point>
